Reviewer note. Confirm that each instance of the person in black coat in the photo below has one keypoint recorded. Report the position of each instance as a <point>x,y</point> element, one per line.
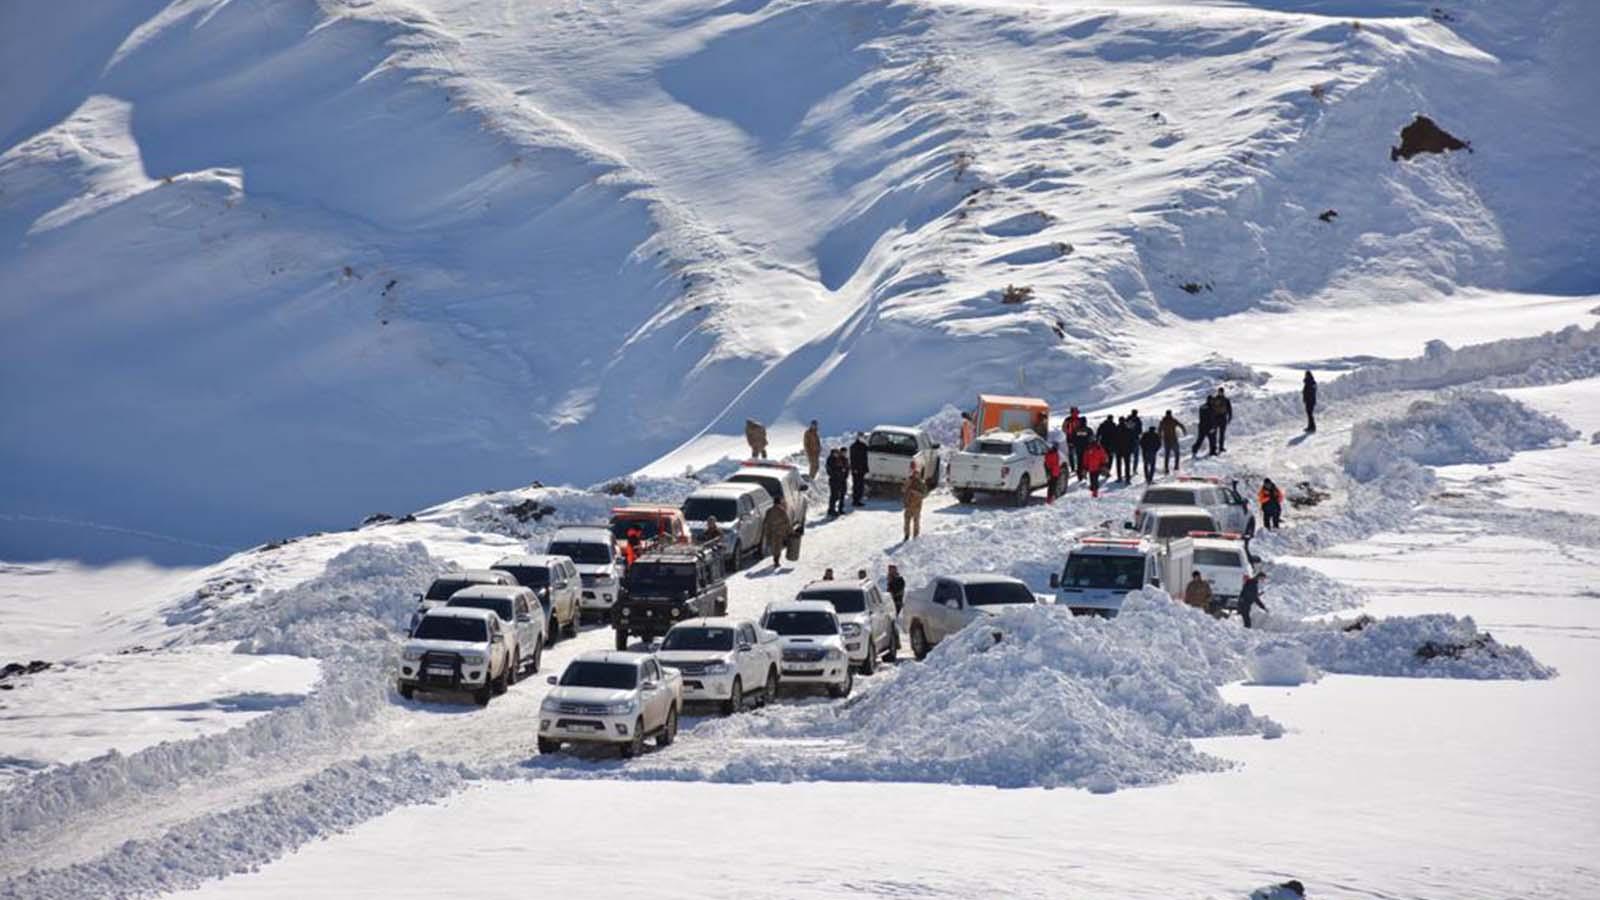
<point>1205,431</point>
<point>1150,446</point>
<point>838,480</point>
<point>1250,596</point>
<point>1308,396</point>
<point>1079,441</point>
<point>858,470</point>
<point>897,588</point>
<point>1221,415</point>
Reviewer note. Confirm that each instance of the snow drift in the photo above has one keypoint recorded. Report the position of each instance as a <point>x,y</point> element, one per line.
<point>1462,427</point>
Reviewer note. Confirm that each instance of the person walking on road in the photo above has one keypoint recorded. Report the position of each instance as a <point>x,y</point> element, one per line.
<point>777,529</point>
<point>1205,430</point>
<point>1078,441</point>
<point>1098,462</point>
<point>1271,499</point>
<point>1171,450</point>
<point>1052,471</point>
<point>897,588</point>
<point>813,447</point>
<point>838,480</point>
<point>1135,424</point>
<point>1250,596</point>
<point>858,470</point>
<point>1116,444</point>
<point>1308,396</point>
<point>911,494</point>
<point>1150,447</point>
<point>1198,592</point>
<point>1221,415</point>
<point>755,434</point>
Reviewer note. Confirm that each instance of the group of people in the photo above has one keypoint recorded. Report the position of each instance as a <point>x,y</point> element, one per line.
<point>1117,443</point>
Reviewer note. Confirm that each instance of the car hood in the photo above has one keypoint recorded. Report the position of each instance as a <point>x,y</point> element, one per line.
<point>692,656</point>
<point>824,641</point>
<point>573,694</point>
<point>859,618</point>
<point>595,568</point>
<point>447,646</point>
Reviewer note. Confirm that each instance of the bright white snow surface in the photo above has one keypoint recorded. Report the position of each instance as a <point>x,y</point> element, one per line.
<point>268,266</point>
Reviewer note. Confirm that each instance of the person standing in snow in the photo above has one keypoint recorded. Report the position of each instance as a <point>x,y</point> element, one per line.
<point>1205,430</point>
<point>1097,462</point>
<point>1149,447</point>
<point>1069,426</point>
<point>1052,470</point>
<point>1171,450</point>
<point>813,446</point>
<point>1078,441</point>
<point>1222,414</point>
<point>911,494</point>
<point>838,480</point>
<point>1308,396</point>
<point>1198,592</point>
<point>1112,441</point>
<point>1250,596</point>
<point>1271,499</point>
<point>969,430</point>
<point>1130,450</point>
<point>776,529</point>
<point>897,588</point>
<point>858,470</point>
<point>755,434</point>
<point>1135,424</point>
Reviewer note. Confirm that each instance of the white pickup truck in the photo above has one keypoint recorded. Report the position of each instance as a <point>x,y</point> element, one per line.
<point>999,462</point>
<point>610,697</point>
<point>725,661</point>
<point>892,450</point>
<point>456,649</point>
<point>949,603</point>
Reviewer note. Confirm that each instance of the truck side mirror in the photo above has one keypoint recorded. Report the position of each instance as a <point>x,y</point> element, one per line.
<point>1055,580</point>
<point>551,679</point>
<point>1127,526</point>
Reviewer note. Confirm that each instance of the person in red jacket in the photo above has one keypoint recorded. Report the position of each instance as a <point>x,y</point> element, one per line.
<point>1052,469</point>
<point>1098,462</point>
<point>1069,426</point>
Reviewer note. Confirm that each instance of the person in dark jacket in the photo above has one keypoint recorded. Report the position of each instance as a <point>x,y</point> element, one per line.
<point>1116,444</point>
<point>897,588</point>
<point>1221,415</point>
<point>838,480</point>
<point>1171,450</point>
<point>1150,447</point>
<point>1250,596</point>
<point>1308,396</point>
<point>858,470</point>
<point>1135,424</point>
<point>1079,441</point>
<point>1205,430</point>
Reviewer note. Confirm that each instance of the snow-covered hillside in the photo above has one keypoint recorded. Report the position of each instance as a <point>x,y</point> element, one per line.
<point>269,265</point>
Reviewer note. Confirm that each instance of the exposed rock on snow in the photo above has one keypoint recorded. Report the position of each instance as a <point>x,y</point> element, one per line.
<point>1423,135</point>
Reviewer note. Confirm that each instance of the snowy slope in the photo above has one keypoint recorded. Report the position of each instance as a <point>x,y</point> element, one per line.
<point>270,266</point>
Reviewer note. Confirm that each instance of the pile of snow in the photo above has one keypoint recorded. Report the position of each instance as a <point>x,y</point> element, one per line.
<point>1427,646</point>
<point>1462,427</point>
<point>1280,663</point>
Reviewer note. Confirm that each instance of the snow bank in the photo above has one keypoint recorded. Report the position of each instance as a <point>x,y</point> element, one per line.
<point>1280,663</point>
<point>1462,427</point>
<point>1429,646</point>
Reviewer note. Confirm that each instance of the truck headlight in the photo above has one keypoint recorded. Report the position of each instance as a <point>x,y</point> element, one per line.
<point>835,653</point>
<point>550,705</point>
<point>851,629</point>
<point>473,659</point>
<point>718,668</point>
<point>411,654</point>
<point>623,708</point>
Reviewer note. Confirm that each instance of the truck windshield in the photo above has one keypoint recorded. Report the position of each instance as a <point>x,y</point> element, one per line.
<point>528,576</point>
<point>1206,556</point>
<point>500,607</point>
<point>1098,570</point>
<point>1167,497</point>
<point>661,578</point>
<point>802,622</point>
<point>1178,526</point>
<point>698,639</point>
<point>452,628</point>
<point>584,553</point>
<point>699,509</point>
<point>619,676</point>
<point>890,442</point>
<point>648,527</point>
<point>442,588</point>
<point>990,448</point>
<point>997,593</point>
<point>844,601</point>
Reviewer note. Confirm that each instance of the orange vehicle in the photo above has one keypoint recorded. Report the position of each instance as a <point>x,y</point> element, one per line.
<point>1012,414</point>
<point>653,524</point>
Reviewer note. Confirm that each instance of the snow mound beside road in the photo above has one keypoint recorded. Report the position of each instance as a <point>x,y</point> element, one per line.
<point>1430,646</point>
<point>1464,427</point>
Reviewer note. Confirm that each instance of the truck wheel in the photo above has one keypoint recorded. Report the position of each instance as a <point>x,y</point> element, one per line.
<point>481,695</point>
<point>499,685</point>
<point>843,690</point>
<point>894,647</point>
<point>669,732</point>
<point>722,606</point>
<point>635,744</point>
<point>919,641</point>
<point>735,701</point>
<point>572,625</point>
<point>516,666</point>
<point>933,480</point>
<point>407,691</point>
<point>538,655</point>
<point>1024,488</point>
<point>548,746</point>
<point>963,495</point>
<point>552,627</point>
<point>622,639</point>
<point>738,557</point>
<point>770,692</point>
<point>871,663</point>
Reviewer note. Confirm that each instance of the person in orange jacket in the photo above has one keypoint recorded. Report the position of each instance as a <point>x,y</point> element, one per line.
<point>1098,462</point>
<point>1068,426</point>
<point>1271,499</point>
<point>1052,469</point>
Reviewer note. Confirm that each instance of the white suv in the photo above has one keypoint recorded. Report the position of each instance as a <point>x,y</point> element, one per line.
<point>812,644</point>
<point>447,584</point>
<point>866,620</point>
<point>520,618</point>
<point>1230,510</point>
<point>608,697</point>
<point>723,661</point>
<point>593,552</point>
<point>554,579</point>
<point>456,650</point>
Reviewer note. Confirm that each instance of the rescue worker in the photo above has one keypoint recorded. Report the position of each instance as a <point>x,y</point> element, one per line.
<point>838,480</point>
<point>1150,447</point>
<point>712,533</point>
<point>1308,396</point>
<point>1205,430</point>
<point>911,494</point>
<point>1097,462</point>
<point>631,541</point>
<point>897,588</point>
<point>1171,450</point>
<point>1222,414</point>
<point>1069,426</point>
<point>1198,592</point>
<point>969,430</point>
<point>755,434</point>
<point>1078,441</point>
<point>1250,596</point>
<point>1052,470</point>
<point>813,447</point>
<point>776,529</point>
<point>858,470</point>
<point>1271,499</point>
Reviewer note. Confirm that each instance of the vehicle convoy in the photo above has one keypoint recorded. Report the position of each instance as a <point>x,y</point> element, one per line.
<point>739,509</point>
<point>554,580</point>
<point>1224,502</point>
<point>1223,560</point>
<point>614,698</point>
<point>1101,571</point>
<point>813,648</point>
<point>892,450</point>
<point>456,649</point>
<point>866,620</point>
<point>599,565</point>
<point>1000,462</point>
<point>1002,412</point>
<point>520,619</point>
<point>724,661</point>
<point>951,602</point>
<point>1161,523</point>
<point>782,481</point>
<point>669,585</point>
<point>655,525</point>
<point>442,587</point>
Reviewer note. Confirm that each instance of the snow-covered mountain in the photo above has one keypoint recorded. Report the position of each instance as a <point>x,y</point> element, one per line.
<point>269,265</point>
